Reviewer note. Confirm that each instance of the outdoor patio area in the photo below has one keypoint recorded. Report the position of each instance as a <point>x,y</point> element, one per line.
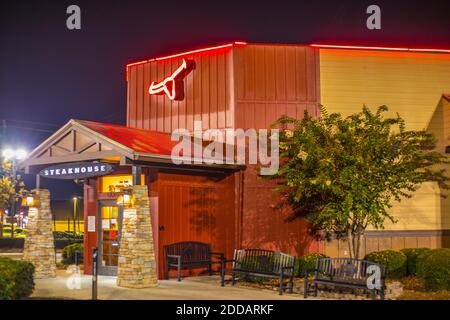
<point>194,288</point>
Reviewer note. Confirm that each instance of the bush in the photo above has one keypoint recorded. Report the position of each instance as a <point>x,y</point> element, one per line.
<point>411,259</point>
<point>419,261</point>
<point>306,262</point>
<point>435,269</point>
<point>68,235</point>
<point>394,261</point>
<point>16,279</point>
<point>68,253</point>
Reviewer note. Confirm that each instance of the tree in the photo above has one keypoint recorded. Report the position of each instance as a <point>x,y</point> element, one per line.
<point>344,173</point>
<point>11,191</point>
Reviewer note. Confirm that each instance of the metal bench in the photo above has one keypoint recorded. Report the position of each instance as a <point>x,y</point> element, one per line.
<point>189,255</point>
<point>343,272</point>
<point>261,263</point>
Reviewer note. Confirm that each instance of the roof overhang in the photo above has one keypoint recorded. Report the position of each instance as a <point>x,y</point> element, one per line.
<point>81,140</point>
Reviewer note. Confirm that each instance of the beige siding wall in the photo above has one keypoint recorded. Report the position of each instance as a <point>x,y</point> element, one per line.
<point>411,84</point>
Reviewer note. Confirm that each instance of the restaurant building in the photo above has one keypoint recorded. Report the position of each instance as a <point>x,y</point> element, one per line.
<point>238,86</point>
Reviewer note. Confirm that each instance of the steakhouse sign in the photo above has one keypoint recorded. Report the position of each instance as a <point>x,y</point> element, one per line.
<point>76,170</point>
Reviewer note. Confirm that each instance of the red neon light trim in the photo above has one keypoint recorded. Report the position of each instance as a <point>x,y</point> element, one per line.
<point>136,63</point>
<point>431,50</point>
<point>195,51</point>
<point>173,85</point>
<point>235,43</point>
<point>377,48</point>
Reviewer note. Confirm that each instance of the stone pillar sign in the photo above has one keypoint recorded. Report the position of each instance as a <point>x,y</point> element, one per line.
<point>39,247</point>
<point>136,267</point>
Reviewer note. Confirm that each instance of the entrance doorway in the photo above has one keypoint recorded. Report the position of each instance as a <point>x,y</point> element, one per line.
<point>109,231</point>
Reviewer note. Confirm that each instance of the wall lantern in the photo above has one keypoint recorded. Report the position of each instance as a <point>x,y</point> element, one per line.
<point>30,201</point>
<point>125,199</point>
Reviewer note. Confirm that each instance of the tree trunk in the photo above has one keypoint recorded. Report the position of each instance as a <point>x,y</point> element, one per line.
<point>354,244</point>
<point>350,239</point>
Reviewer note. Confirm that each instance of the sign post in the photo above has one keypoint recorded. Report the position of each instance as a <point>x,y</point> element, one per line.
<point>94,273</point>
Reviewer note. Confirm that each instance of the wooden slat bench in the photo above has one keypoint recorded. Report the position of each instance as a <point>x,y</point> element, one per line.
<point>343,272</point>
<point>189,255</point>
<point>261,263</point>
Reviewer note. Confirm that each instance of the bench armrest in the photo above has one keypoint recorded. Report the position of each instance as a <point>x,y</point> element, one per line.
<point>223,262</point>
<point>286,268</point>
<point>220,254</point>
<point>172,256</point>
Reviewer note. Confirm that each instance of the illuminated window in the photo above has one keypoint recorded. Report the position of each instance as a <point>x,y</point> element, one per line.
<point>117,183</point>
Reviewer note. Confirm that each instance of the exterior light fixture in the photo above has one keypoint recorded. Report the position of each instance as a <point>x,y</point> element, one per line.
<point>30,201</point>
<point>16,154</point>
<point>124,199</point>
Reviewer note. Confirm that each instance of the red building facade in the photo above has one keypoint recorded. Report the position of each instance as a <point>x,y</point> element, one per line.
<point>232,86</point>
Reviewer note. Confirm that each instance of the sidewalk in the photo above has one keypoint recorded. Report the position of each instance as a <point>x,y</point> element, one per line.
<point>196,288</point>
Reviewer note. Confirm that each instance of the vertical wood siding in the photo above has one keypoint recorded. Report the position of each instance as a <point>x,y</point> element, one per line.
<point>196,208</point>
<point>275,80</point>
<point>243,87</point>
<point>207,95</point>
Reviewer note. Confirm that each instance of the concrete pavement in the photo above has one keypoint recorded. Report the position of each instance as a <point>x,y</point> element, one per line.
<point>194,288</point>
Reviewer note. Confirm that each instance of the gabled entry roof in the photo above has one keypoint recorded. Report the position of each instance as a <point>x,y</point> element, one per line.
<point>142,141</point>
<point>81,140</point>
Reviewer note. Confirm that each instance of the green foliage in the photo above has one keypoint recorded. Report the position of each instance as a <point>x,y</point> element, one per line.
<point>435,269</point>
<point>16,279</point>
<point>420,260</point>
<point>344,173</point>
<point>395,262</point>
<point>11,186</point>
<point>67,235</point>
<point>68,253</point>
<point>411,256</point>
<point>306,262</point>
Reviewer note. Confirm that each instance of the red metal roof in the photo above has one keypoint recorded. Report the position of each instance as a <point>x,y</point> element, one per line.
<point>139,140</point>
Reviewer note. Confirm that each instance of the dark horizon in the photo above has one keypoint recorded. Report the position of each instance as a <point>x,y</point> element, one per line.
<point>50,74</point>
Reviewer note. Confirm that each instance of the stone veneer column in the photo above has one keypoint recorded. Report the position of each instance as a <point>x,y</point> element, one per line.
<point>136,267</point>
<point>39,247</point>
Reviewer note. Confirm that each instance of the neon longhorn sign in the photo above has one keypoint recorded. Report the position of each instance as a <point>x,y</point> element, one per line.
<point>173,86</point>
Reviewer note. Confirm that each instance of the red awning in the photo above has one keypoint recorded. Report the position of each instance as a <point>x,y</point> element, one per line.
<point>139,140</point>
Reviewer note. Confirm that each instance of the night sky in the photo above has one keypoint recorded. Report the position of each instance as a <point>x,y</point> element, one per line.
<point>49,74</point>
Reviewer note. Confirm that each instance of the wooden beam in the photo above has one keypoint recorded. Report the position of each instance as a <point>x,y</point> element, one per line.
<point>72,158</point>
<point>136,172</point>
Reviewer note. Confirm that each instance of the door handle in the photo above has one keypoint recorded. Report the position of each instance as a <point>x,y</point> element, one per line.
<point>161,228</point>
